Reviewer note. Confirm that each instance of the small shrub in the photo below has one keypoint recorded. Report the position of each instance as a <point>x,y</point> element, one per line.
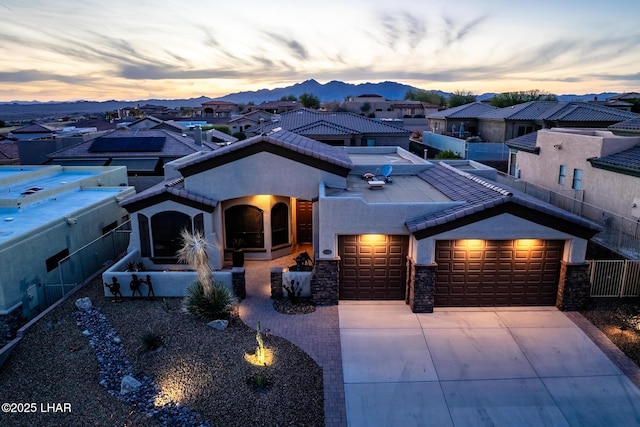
<point>294,291</point>
<point>259,382</point>
<point>217,306</point>
<point>151,341</point>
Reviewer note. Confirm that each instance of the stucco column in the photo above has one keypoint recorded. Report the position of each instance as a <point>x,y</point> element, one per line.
<point>324,283</point>
<point>422,288</point>
<point>573,286</point>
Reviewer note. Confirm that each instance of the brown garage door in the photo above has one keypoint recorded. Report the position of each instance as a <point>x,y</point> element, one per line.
<point>372,267</point>
<point>497,272</point>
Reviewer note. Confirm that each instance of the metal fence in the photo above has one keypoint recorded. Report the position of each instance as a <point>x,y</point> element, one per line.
<point>615,278</point>
<point>619,233</point>
<point>82,264</point>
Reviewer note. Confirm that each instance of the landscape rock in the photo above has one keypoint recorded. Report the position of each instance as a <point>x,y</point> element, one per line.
<point>129,384</point>
<point>84,304</point>
<point>219,324</point>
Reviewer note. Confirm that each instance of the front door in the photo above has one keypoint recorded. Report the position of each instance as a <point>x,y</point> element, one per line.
<point>304,221</point>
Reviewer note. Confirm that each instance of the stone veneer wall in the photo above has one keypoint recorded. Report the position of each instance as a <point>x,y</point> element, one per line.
<point>409,276</point>
<point>324,283</point>
<point>9,324</point>
<point>239,283</point>
<point>276,283</point>
<point>573,286</point>
<point>422,289</point>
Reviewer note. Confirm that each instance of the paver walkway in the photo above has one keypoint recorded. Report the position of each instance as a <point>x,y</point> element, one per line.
<point>316,333</point>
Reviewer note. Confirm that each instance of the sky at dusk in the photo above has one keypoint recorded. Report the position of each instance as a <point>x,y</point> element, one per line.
<point>126,50</point>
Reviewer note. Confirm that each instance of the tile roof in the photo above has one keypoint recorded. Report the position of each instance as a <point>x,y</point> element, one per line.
<point>175,145</point>
<point>627,161</point>
<point>172,189</point>
<point>466,111</point>
<point>300,120</point>
<point>631,124</point>
<point>288,140</point>
<point>9,151</point>
<point>477,195</point>
<point>34,128</point>
<point>533,110</point>
<point>588,112</point>
<point>525,142</point>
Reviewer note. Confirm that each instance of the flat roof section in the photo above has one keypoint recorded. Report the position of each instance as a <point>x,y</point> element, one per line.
<point>15,190</point>
<point>16,223</point>
<point>377,159</point>
<point>403,189</point>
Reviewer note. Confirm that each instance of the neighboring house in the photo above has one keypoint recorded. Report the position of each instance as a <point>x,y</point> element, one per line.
<point>33,131</point>
<point>147,122</point>
<point>250,120</point>
<point>460,121</point>
<point>143,152</point>
<point>435,235</point>
<point>276,107</point>
<point>381,108</point>
<point>503,124</point>
<point>590,165</point>
<point>346,129</point>
<point>47,213</point>
<point>218,109</point>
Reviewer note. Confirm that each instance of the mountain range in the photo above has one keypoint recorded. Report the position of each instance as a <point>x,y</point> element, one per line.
<point>331,91</point>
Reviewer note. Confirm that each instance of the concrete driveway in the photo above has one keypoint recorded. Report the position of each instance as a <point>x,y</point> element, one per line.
<point>473,367</point>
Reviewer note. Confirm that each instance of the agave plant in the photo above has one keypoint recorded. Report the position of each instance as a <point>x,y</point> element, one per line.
<point>194,252</point>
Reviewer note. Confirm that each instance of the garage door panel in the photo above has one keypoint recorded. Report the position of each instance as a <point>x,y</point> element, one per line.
<point>381,267</point>
<point>502,273</point>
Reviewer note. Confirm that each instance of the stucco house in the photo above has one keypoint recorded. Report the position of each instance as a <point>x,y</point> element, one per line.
<point>593,166</point>
<point>46,214</point>
<point>460,121</point>
<point>382,108</point>
<point>436,234</point>
<point>337,128</point>
<point>143,151</point>
<point>511,122</point>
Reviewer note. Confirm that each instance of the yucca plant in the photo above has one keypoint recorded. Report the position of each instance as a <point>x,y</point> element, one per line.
<point>217,305</point>
<point>194,252</point>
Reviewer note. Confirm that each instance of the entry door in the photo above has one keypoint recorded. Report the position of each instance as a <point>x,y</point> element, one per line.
<point>304,221</point>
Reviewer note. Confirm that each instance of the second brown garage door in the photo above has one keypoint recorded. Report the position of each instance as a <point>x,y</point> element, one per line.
<point>372,267</point>
<point>497,272</point>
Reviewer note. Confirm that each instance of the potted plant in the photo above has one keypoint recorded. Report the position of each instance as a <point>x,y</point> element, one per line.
<point>237,257</point>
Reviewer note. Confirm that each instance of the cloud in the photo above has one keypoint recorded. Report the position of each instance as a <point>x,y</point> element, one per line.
<point>456,31</point>
<point>400,27</point>
<point>292,45</point>
<point>634,77</point>
<point>27,76</point>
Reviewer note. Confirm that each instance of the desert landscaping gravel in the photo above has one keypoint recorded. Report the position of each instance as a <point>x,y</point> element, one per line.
<point>198,368</point>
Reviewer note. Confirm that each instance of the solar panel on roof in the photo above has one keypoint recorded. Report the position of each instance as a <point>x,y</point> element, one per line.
<point>128,144</point>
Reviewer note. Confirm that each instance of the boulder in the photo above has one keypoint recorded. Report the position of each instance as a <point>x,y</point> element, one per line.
<point>84,304</point>
<point>129,384</point>
<point>219,324</point>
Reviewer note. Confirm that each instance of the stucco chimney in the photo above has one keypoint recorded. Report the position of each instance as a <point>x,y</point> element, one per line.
<point>197,134</point>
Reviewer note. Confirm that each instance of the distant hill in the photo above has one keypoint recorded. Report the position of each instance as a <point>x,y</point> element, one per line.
<point>331,91</point>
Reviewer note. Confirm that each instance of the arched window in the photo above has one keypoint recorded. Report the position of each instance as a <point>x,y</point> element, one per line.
<point>244,227</point>
<point>279,224</point>
<point>165,229</point>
